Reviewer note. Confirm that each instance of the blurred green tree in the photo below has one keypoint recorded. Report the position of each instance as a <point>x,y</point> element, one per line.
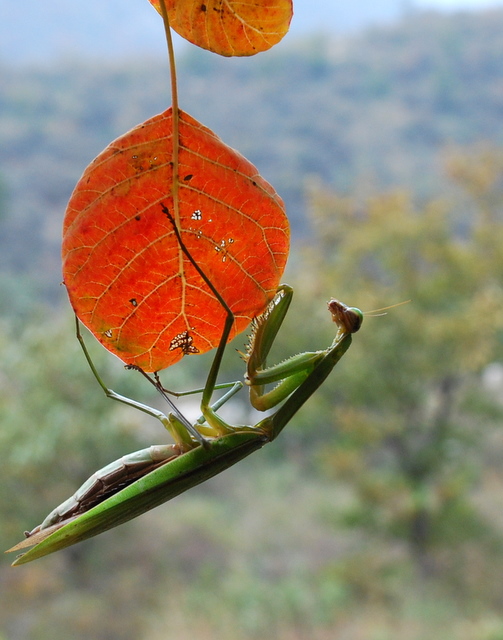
<point>411,412</point>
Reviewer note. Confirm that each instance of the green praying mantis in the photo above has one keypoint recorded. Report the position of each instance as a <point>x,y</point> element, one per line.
<point>145,479</point>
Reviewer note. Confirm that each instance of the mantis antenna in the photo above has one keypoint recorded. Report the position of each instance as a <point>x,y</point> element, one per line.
<point>375,313</point>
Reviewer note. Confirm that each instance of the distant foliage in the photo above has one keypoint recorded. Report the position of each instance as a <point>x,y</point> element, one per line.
<point>368,111</point>
<point>411,416</point>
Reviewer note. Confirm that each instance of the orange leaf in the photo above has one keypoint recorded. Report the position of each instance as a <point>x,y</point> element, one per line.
<point>230,27</point>
<point>126,276</point>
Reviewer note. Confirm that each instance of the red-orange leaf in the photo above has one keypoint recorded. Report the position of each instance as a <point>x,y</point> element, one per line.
<point>230,27</point>
<point>127,278</point>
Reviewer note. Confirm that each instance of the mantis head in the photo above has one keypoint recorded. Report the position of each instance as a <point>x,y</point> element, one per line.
<point>348,319</point>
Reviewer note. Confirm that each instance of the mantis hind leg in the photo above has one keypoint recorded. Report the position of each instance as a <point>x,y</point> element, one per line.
<point>180,429</point>
<point>215,422</point>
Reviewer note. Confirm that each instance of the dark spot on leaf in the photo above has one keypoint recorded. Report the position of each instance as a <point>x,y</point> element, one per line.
<point>189,176</point>
<point>134,302</point>
<point>137,217</point>
<point>203,7</point>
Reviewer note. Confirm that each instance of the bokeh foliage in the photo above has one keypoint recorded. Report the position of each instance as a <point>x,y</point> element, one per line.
<point>413,418</point>
<point>375,515</point>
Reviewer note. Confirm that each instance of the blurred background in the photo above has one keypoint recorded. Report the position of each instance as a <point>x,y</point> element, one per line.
<point>378,513</point>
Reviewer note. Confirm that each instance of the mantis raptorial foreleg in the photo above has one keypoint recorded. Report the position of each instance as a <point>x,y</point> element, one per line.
<point>290,373</point>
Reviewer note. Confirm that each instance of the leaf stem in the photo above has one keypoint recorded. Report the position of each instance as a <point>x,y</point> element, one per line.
<point>175,111</point>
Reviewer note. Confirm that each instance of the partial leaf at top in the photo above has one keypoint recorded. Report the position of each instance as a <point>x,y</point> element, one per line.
<point>126,276</point>
<point>230,27</point>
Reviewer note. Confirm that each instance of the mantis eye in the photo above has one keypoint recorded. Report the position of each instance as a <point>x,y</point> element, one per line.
<point>347,318</point>
<point>356,318</point>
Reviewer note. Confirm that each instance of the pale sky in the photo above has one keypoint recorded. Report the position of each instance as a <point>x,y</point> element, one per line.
<point>460,4</point>
<point>330,15</point>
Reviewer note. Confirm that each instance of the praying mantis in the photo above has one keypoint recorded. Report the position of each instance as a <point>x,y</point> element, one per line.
<point>142,480</point>
<point>145,479</point>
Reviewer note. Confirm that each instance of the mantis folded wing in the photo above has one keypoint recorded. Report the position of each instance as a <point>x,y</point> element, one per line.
<point>143,480</point>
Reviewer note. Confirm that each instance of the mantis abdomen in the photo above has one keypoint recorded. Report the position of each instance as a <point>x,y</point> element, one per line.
<point>109,480</point>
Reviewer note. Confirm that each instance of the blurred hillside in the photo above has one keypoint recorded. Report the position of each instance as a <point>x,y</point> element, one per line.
<point>32,31</point>
<point>360,112</point>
